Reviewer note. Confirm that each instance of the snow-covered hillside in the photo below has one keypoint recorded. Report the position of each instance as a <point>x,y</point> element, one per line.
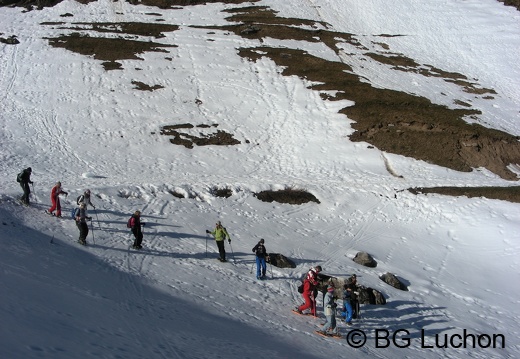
<point>72,121</point>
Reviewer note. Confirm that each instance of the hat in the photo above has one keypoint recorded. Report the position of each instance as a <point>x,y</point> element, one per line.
<point>330,288</point>
<point>87,191</point>
<point>29,169</point>
<point>262,240</point>
<point>137,213</point>
<point>318,268</point>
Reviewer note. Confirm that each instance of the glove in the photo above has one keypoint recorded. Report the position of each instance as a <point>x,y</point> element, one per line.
<point>207,231</point>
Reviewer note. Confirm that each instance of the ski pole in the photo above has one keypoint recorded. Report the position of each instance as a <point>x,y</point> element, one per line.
<point>92,230</point>
<point>271,269</point>
<point>234,261</point>
<point>97,219</point>
<point>207,237</point>
<point>251,271</point>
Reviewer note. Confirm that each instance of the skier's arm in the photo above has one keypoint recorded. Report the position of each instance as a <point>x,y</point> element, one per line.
<point>227,235</point>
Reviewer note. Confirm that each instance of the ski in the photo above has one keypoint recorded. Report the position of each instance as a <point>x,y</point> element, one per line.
<point>52,214</point>
<point>327,335</point>
<point>303,314</point>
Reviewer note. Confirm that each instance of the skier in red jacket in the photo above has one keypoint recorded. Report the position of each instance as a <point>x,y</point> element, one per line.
<point>55,199</point>
<point>309,286</point>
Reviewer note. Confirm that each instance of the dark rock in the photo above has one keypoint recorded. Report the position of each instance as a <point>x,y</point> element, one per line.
<point>280,261</point>
<point>365,259</point>
<point>392,280</point>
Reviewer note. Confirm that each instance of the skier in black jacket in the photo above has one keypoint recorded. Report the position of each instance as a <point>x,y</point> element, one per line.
<point>25,179</point>
<point>261,256</point>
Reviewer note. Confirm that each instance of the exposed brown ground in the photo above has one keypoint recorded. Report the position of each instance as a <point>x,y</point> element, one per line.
<point>392,121</point>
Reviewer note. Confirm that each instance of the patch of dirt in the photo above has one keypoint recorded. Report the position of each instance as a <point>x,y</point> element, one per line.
<point>514,3</point>
<point>221,192</point>
<point>289,196</point>
<point>107,49</point>
<point>393,121</point>
<point>11,40</point>
<point>144,87</point>
<point>219,138</point>
<point>510,194</point>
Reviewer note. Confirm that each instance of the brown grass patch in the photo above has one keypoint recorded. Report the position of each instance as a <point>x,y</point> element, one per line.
<point>288,195</point>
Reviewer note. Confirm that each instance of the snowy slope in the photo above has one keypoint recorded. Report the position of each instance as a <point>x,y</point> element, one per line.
<point>72,121</point>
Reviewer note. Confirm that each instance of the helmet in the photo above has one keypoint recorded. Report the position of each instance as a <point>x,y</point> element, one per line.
<point>262,240</point>
<point>29,169</point>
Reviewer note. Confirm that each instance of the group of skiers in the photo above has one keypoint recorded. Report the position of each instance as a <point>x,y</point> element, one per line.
<point>310,284</point>
<point>80,213</point>
<point>350,307</point>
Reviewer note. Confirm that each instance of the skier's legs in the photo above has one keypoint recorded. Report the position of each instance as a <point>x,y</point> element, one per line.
<point>221,250</point>
<point>136,235</point>
<point>313,305</point>
<point>264,266</point>
<point>139,237</point>
<point>308,302</point>
<point>327,325</point>
<point>58,207</point>
<point>355,307</point>
<point>333,326</point>
<point>78,224</point>
<point>348,312</point>
<point>53,205</point>
<point>83,231</point>
<point>26,192</point>
<point>258,266</point>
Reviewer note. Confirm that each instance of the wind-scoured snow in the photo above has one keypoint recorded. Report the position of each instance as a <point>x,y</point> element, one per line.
<point>71,121</point>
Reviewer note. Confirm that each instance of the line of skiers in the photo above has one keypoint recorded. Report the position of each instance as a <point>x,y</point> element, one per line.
<point>310,284</point>
<point>80,214</point>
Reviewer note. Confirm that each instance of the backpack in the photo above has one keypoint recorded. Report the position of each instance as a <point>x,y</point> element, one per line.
<point>73,213</point>
<point>79,199</point>
<point>19,177</point>
<point>129,223</point>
